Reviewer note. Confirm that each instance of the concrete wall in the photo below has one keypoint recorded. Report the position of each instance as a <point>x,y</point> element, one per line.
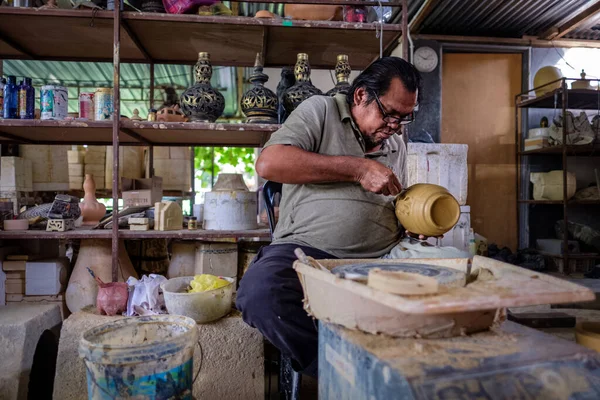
<point>429,118</point>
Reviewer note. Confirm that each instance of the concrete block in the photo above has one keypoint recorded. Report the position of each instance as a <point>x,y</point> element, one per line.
<point>21,327</point>
<point>232,359</point>
<point>16,174</point>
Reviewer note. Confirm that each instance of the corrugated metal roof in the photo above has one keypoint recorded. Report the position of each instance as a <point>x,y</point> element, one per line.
<point>135,81</point>
<point>587,31</point>
<point>497,18</point>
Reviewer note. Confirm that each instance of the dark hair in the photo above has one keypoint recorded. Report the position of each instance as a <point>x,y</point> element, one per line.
<point>376,78</point>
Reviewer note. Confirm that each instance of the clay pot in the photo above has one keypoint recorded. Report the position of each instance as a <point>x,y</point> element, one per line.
<point>314,12</point>
<point>230,182</point>
<point>546,75</point>
<point>112,298</point>
<point>92,210</point>
<point>264,14</point>
<point>96,254</point>
<point>427,209</point>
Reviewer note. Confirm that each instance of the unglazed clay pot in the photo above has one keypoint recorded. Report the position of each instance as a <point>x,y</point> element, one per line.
<point>96,254</point>
<point>112,298</point>
<point>92,211</point>
<point>313,12</point>
<point>427,209</point>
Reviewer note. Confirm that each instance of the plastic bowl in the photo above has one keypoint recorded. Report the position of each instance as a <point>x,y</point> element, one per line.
<point>201,307</point>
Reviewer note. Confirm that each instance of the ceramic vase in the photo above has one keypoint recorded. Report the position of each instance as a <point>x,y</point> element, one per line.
<point>303,88</point>
<point>427,209</point>
<point>342,76</point>
<point>91,210</point>
<point>202,102</point>
<point>82,290</point>
<point>259,104</point>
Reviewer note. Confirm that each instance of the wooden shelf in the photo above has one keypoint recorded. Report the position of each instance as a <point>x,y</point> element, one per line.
<point>262,234</point>
<point>577,99</point>
<point>584,150</point>
<point>82,35</point>
<point>135,133</point>
<point>199,133</point>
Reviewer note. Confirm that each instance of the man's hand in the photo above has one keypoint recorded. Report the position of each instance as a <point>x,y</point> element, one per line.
<point>377,178</point>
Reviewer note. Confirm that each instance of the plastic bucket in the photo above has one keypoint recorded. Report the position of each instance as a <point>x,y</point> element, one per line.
<point>144,358</point>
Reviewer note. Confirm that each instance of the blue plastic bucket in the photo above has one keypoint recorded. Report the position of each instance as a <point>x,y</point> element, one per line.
<point>144,358</point>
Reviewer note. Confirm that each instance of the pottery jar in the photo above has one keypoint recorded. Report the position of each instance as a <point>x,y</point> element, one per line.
<point>342,76</point>
<point>303,88</point>
<point>91,209</point>
<point>201,102</point>
<point>427,209</point>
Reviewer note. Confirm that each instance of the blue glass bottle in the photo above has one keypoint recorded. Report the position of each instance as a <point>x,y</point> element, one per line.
<point>11,98</point>
<point>26,100</point>
<point>2,83</point>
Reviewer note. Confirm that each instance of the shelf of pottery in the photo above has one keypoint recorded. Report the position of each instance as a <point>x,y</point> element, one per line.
<point>559,173</point>
<point>329,37</point>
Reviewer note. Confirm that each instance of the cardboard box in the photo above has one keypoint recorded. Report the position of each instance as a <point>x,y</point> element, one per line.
<point>14,265</point>
<point>142,192</point>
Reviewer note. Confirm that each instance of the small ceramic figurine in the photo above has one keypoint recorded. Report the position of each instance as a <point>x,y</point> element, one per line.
<point>136,115</point>
<point>170,114</point>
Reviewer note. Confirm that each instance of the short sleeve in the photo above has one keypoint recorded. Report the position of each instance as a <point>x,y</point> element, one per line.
<point>304,127</point>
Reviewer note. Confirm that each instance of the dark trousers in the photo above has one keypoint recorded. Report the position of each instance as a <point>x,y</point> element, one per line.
<point>270,299</point>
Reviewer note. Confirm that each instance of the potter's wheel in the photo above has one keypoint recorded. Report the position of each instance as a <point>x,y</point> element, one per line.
<point>444,275</point>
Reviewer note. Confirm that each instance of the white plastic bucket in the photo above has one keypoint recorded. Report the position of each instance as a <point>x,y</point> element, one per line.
<point>145,357</point>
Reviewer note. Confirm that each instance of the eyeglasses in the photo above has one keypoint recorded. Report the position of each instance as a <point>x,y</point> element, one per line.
<point>388,119</point>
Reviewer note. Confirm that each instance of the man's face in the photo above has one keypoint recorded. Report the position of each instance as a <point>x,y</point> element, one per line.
<point>397,103</point>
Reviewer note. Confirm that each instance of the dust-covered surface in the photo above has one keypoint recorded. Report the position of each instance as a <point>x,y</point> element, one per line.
<point>507,344</point>
<point>21,326</point>
<point>232,361</point>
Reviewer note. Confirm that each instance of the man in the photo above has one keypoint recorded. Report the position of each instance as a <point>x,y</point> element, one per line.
<point>342,161</point>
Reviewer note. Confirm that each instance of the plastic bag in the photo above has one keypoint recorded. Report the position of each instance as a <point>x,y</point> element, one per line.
<point>145,296</point>
<point>206,282</point>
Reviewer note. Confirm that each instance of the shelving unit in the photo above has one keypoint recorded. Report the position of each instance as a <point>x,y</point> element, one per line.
<point>561,100</point>
<point>153,38</point>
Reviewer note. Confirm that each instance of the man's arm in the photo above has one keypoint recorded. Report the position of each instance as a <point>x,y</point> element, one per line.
<point>293,165</point>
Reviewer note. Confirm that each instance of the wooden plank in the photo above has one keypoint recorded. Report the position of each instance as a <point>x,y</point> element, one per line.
<point>361,46</point>
<point>126,234</point>
<point>525,41</point>
<point>82,35</point>
<point>198,133</point>
<point>417,21</point>
<point>235,41</point>
<point>231,41</point>
<point>100,133</point>
<point>557,32</point>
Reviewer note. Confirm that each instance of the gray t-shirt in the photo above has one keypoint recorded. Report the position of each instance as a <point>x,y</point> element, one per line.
<point>340,218</point>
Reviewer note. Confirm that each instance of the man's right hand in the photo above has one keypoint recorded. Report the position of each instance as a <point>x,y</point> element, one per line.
<point>377,178</point>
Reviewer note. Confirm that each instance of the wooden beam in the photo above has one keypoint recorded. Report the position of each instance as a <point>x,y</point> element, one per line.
<point>418,19</point>
<point>525,41</point>
<point>557,32</point>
